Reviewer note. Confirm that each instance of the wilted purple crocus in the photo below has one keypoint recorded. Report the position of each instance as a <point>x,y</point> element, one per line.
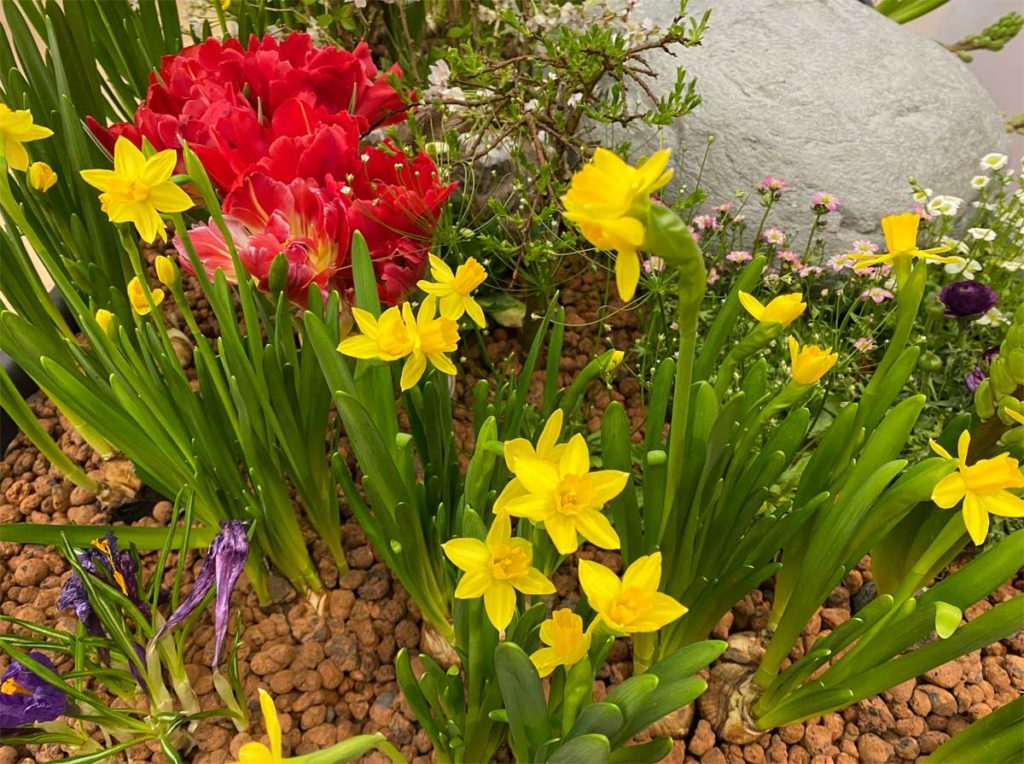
<point>974,379</point>
<point>967,298</point>
<point>27,699</point>
<point>222,566</point>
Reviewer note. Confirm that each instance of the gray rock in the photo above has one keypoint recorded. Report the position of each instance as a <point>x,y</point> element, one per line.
<point>831,96</point>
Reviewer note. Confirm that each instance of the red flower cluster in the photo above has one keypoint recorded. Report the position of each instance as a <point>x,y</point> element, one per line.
<point>278,128</point>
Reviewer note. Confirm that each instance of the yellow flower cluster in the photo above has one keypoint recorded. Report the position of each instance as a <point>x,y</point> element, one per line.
<point>17,127</point>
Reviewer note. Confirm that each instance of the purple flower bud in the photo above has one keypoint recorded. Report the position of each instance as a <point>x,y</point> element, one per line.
<point>223,565</point>
<point>967,298</point>
<point>27,699</point>
<point>974,379</point>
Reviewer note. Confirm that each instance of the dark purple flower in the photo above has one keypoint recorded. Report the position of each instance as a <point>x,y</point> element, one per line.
<point>27,699</point>
<point>967,298</point>
<point>73,596</point>
<point>222,567</point>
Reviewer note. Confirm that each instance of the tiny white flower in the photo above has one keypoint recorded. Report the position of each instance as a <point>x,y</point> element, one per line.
<point>979,181</point>
<point>923,195</point>
<point>994,161</point>
<point>439,75</point>
<point>963,268</point>
<point>1012,265</point>
<point>574,99</point>
<point>982,234</point>
<point>530,105</point>
<point>993,317</point>
<point>945,205</point>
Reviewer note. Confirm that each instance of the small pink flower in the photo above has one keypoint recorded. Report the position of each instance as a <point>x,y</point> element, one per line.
<point>788,256</point>
<point>774,236</point>
<point>919,210</point>
<point>738,256</point>
<point>693,232</point>
<point>841,262</point>
<point>653,264</point>
<point>808,270</point>
<point>723,209</point>
<point>824,202</point>
<point>864,344</point>
<point>864,247</point>
<point>706,223</point>
<point>775,185</point>
<point>876,295</point>
<point>712,276</point>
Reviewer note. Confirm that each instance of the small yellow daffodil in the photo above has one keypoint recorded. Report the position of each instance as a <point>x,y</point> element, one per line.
<point>16,129</point>
<point>981,486</point>
<point>901,242</point>
<point>137,297</point>
<point>614,362</point>
<point>166,270</point>
<point>257,753</point>
<point>398,334</point>
<point>138,189</point>
<point>41,177</point>
<point>104,318</point>
<point>567,497</point>
<point>496,569</point>
<point>548,449</point>
<point>633,604</point>
<point>784,309</point>
<point>567,642</point>
<point>454,289</point>
<point>810,363</point>
<point>608,200</point>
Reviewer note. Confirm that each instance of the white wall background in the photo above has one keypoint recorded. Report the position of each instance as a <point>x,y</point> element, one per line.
<point>1001,73</point>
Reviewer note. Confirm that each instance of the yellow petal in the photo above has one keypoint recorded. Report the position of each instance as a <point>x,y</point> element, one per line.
<point>663,610</point>
<point>1004,504</point>
<point>627,274</point>
<point>575,459</point>
<point>549,435</point>
<point>500,604</point>
<point>752,305</point>
<point>596,529</point>
<point>16,155</point>
<point>537,475</point>
<point>975,519</point>
<point>158,168</point>
<point>534,582</point>
<point>169,198</point>
<point>607,484</point>
<point>473,584</point>
<point>271,721</point>
<point>599,584</point>
<point>562,530</point>
<point>513,490</point>
<point>475,312</point>
<point>255,753</point>
<point>467,553</point>
<point>128,160</point>
<point>443,364</point>
<point>939,450</point>
<point>533,507</point>
<point>516,449</point>
<point>500,531</point>
<point>100,179</point>
<point>413,370</point>
<point>359,346</point>
<point>644,573</point>
<point>546,660</point>
<point>949,491</point>
<point>963,446</point>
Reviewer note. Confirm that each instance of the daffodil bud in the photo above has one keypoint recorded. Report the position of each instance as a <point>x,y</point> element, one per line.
<point>1015,364</point>
<point>614,362</point>
<point>41,176</point>
<point>1002,381</point>
<point>166,270</point>
<point>983,402</point>
<point>105,319</point>
<point>137,297</point>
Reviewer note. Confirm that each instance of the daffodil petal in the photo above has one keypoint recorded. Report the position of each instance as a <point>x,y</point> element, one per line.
<point>599,583</point>
<point>500,604</point>
<point>644,573</point>
<point>467,553</point>
<point>534,582</point>
<point>596,529</point>
<point>473,584</point>
<point>949,491</point>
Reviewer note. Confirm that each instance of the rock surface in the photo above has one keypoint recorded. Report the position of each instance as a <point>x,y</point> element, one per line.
<point>830,96</point>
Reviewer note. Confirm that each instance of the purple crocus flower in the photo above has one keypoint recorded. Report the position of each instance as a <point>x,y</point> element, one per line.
<point>222,567</point>
<point>967,298</point>
<point>974,379</point>
<point>27,699</point>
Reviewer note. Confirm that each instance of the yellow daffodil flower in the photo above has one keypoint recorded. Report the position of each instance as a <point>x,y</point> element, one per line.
<point>16,129</point>
<point>810,363</point>
<point>41,177</point>
<point>454,290</point>
<point>166,270</point>
<point>137,190</point>
<point>981,486</point>
<point>567,497</point>
<point>257,753</point>
<point>105,318</point>
<point>901,241</point>
<point>608,200</point>
<point>548,449</point>
<point>567,642</point>
<point>137,296</point>
<point>398,334</point>
<point>495,569</point>
<point>784,309</point>
<point>633,604</point>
